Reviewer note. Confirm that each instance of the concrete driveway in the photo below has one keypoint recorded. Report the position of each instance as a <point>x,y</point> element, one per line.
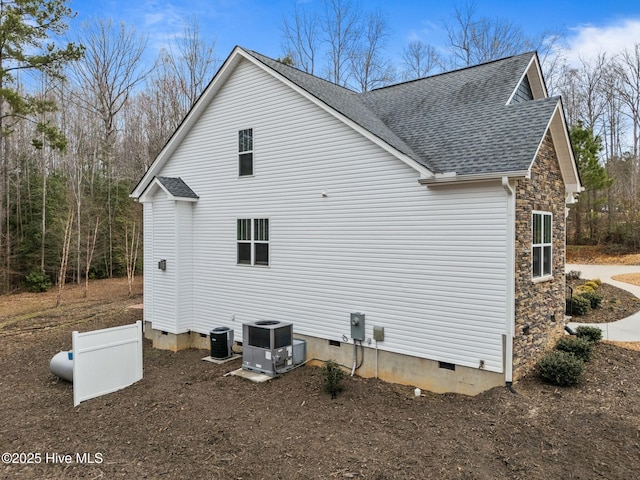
<point>627,329</point>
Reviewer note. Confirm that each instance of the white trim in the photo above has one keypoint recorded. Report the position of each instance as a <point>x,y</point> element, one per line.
<point>538,88</point>
<point>510,280</point>
<point>451,177</point>
<point>252,242</point>
<point>251,151</point>
<point>150,191</point>
<point>562,145</point>
<point>541,245</point>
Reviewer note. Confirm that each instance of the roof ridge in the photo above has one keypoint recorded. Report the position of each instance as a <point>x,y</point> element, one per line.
<point>452,72</point>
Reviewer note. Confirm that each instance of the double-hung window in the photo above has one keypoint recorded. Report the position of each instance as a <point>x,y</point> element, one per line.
<point>253,241</point>
<point>542,245</point>
<point>245,152</point>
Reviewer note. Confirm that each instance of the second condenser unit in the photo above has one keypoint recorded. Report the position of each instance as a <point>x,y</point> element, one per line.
<point>267,346</point>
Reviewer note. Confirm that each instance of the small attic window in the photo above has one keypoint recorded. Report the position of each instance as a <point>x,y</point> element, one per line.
<point>523,93</point>
<point>245,152</point>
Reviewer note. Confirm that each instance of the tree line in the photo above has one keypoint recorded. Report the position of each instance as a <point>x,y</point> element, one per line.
<point>82,120</point>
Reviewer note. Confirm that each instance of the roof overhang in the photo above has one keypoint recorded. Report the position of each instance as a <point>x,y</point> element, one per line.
<point>237,55</point>
<point>153,187</point>
<point>450,178</point>
<point>534,73</point>
<point>562,143</point>
<point>557,127</point>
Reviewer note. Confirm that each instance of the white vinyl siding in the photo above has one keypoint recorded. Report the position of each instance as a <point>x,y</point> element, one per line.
<point>351,229</point>
<point>163,304</point>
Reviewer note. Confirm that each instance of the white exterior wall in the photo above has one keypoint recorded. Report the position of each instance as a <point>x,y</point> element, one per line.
<point>149,261</point>
<point>427,264</point>
<point>184,265</point>
<point>162,303</point>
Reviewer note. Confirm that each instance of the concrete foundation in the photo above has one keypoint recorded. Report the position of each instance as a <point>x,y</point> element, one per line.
<point>391,367</point>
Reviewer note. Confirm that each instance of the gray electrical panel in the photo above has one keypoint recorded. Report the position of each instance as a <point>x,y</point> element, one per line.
<point>357,326</point>
<point>378,334</point>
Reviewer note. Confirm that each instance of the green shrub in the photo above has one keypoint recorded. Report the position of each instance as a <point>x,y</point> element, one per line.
<point>584,288</point>
<point>593,284</point>
<point>578,305</point>
<point>591,334</point>
<point>38,281</point>
<point>560,368</point>
<point>333,376</point>
<point>595,299</point>
<point>580,347</point>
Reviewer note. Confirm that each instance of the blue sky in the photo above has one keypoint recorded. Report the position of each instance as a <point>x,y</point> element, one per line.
<point>591,26</point>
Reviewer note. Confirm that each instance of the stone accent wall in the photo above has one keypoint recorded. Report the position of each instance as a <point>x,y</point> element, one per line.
<point>539,305</point>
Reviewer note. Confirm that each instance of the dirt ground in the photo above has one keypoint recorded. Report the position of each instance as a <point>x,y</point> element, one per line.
<point>594,254</point>
<point>186,419</point>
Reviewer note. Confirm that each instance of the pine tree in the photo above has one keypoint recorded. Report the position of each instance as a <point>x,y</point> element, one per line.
<point>594,177</point>
<point>27,32</point>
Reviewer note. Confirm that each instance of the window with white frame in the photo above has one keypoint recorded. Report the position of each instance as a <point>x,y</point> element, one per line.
<point>245,152</point>
<point>253,241</point>
<point>542,244</point>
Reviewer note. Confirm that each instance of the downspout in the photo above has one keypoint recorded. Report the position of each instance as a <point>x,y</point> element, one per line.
<point>510,280</point>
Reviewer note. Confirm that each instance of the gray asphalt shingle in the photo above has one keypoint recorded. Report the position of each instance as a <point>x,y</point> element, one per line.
<point>452,122</point>
<point>177,187</point>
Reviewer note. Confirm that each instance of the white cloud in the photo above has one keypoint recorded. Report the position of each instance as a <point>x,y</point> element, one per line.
<point>588,41</point>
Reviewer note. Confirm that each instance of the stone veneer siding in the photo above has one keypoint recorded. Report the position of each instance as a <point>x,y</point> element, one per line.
<point>540,304</point>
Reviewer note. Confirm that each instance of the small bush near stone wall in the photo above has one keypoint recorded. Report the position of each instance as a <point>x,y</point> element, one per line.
<point>591,334</point>
<point>580,347</point>
<point>560,368</point>
<point>595,299</point>
<point>593,284</point>
<point>578,305</point>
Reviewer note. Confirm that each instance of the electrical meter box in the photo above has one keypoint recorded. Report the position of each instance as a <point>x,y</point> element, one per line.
<point>357,326</point>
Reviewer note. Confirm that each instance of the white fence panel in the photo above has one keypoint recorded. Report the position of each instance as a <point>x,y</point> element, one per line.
<point>106,360</point>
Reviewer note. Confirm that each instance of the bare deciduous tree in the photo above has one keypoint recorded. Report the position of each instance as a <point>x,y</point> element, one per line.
<point>301,38</point>
<point>419,60</point>
<point>192,61</point>
<point>64,257</point>
<point>342,30</point>
<point>368,67</point>
<point>109,73</point>
<point>628,71</point>
<point>474,40</point>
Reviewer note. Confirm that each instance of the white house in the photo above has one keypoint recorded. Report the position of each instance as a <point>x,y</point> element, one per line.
<point>435,207</point>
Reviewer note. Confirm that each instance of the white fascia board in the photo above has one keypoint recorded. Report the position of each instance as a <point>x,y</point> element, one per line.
<point>536,80</point>
<point>190,119</point>
<point>564,151</point>
<point>153,187</point>
<point>450,178</point>
<point>562,144</point>
<point>424,171</point>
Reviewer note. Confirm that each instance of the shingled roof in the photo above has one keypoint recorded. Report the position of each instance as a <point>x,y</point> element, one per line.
<point>459,125</point>
<point>458,121</point>
<point>177,187</point>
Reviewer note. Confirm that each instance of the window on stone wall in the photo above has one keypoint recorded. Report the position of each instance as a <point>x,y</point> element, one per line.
<point>542,245</point>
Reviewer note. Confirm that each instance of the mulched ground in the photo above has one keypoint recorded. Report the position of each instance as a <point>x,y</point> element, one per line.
<point>186,419</point>
<point>616,304</point>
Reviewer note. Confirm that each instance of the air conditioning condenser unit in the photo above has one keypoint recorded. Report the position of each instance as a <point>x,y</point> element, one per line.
<point>267,346</point>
